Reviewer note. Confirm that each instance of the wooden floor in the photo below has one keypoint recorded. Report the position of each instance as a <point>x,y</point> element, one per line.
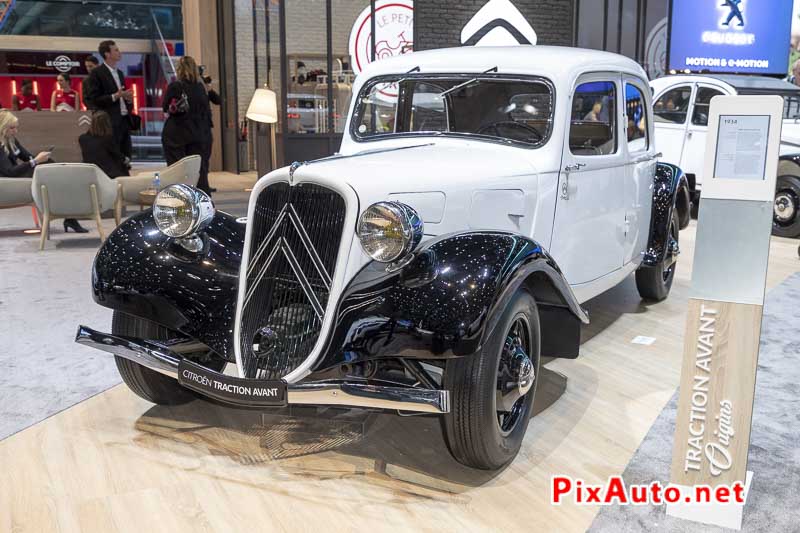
<point>116,463</point>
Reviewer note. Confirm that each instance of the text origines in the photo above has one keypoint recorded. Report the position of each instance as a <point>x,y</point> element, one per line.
<point>699,403</point>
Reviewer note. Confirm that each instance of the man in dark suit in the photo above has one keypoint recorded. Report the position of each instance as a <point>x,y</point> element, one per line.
<point>107,92</point>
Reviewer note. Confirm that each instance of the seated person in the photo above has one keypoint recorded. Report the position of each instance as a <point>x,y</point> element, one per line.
<point>63,98</point>
<point>17,162</point>
<point>26,100</point>
<point>594,114</point>
<point>97,146</point>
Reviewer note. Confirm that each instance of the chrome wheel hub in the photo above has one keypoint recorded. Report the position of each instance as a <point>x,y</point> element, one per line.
<point>516,376</point>
<point>784,207</point>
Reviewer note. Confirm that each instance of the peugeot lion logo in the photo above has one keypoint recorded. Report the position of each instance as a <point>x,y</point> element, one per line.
<point>498,23</point>
<point>735,8</point>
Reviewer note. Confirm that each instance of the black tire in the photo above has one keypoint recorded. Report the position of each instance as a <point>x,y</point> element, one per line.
<point>786,211</point>
<point>683,204</point>
<point>473,426</point>
<point>654,283</point>
<point>146,383</point>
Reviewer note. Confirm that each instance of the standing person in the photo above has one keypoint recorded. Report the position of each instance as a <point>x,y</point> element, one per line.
<point>97,146</point>
<point>187,127</point>
<point>106,92</point>
<point>90,63</point>
<point>63,98</point>
<point>213,98</point>
<point>17,162</point>
<point>26,100</point>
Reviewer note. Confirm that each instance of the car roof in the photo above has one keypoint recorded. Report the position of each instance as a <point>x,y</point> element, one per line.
<point>558,63</point>
<point>742,84</point>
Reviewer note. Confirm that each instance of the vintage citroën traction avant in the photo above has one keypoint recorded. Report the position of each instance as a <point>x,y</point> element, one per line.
<point>479,196</point>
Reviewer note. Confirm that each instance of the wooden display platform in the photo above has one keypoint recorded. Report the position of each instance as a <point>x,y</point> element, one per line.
<point>116,463</point>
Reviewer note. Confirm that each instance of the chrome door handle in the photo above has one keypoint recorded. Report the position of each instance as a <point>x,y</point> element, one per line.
<point>689,135</point>
<point>565,187</point>
<point>576,166</point>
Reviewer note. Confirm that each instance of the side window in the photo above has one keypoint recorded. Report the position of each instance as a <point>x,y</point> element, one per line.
<point>428,109</point>
<point>636,113</point>
<point>592,128</point>
<point>702,102</point>
<point>673,105</point>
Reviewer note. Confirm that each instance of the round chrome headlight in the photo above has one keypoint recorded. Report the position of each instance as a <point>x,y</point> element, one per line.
<point>389,231</point>
<point>180,210</point>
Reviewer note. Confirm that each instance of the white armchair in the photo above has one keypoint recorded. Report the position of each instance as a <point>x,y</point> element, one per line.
<point>71,190</point>
<point>15,192</point>
<point>187,171</point>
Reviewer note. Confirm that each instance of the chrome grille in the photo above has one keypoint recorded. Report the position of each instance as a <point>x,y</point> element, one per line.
<point>292,256</point>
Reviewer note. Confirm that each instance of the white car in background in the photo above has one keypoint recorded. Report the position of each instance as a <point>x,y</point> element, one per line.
<point>681,123</point>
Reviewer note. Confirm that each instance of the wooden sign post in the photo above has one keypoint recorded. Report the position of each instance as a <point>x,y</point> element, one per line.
<point>723,325</point>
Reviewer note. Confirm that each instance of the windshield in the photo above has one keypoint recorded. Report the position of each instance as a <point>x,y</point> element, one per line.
<point>506,110</point>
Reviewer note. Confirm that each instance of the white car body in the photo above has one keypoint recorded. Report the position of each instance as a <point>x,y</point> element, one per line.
<point>597,236</point>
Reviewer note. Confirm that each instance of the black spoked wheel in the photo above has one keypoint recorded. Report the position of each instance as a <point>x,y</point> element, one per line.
<point>655,282</point>
<point>492,392</point>
<point>786,209</point>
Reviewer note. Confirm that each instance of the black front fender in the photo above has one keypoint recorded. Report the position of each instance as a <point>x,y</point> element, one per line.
<point>447,300</point>
<point>142,272</point>
<point>666,183</point>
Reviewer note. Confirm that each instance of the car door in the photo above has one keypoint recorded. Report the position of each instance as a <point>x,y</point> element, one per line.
<point>587,233</point>
<point>640,168</point>
<point>694,147</point>
<point>670,113</point>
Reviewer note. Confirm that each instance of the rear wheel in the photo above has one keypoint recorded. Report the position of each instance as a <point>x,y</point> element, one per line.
<point>786,210</point>
<point>683,204</point>
<point>492,392</point>
<point>655,282</point>
<point>146,383</point>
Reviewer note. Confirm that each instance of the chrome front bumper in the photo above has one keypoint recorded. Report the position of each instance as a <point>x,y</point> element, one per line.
<point>161,358</point>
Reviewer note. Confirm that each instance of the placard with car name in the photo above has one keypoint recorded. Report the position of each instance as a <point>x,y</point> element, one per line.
<point>723,323</point>
<point>741,147</point>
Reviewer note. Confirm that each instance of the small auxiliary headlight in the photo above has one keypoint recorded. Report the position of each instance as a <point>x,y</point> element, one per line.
<point>389,231</point>
<point>180,210</point>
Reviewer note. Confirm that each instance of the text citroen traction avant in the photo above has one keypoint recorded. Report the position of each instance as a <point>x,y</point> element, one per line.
<point>479,197</point>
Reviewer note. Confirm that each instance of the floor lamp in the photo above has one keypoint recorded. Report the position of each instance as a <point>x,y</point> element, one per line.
<point>263,109</point>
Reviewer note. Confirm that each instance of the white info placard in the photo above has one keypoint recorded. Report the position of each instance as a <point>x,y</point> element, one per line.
<point>742,147</point>
<point>744,135</point>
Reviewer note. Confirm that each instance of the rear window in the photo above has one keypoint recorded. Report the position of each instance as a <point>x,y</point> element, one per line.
<point>506,110</point>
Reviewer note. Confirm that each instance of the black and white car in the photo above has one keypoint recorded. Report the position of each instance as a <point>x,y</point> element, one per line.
<point>479,197</point>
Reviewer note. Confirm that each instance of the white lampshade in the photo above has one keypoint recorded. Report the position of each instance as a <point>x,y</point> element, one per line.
<point>263,107</point>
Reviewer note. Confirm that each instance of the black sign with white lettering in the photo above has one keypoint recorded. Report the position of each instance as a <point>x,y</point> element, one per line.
<point>229,389</point>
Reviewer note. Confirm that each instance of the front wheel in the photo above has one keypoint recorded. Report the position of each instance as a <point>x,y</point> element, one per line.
<point>146,383</point>
<point>655,282</point>
<point>786,210</point>
<point>492,391</point>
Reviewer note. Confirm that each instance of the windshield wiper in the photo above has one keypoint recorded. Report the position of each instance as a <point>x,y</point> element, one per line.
<point>468,82</point>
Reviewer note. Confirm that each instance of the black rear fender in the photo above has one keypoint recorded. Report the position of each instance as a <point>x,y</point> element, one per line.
<point>666,183</point>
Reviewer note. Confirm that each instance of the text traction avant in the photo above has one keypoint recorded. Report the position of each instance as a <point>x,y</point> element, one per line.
<point>715,451</point>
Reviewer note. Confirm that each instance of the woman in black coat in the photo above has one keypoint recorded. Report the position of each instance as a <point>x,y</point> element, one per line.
<point>15,160</point>
<point>97,146</point>
<point>187,129</point>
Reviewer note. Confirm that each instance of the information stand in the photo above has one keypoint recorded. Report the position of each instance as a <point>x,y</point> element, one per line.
<point>723,324</point>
